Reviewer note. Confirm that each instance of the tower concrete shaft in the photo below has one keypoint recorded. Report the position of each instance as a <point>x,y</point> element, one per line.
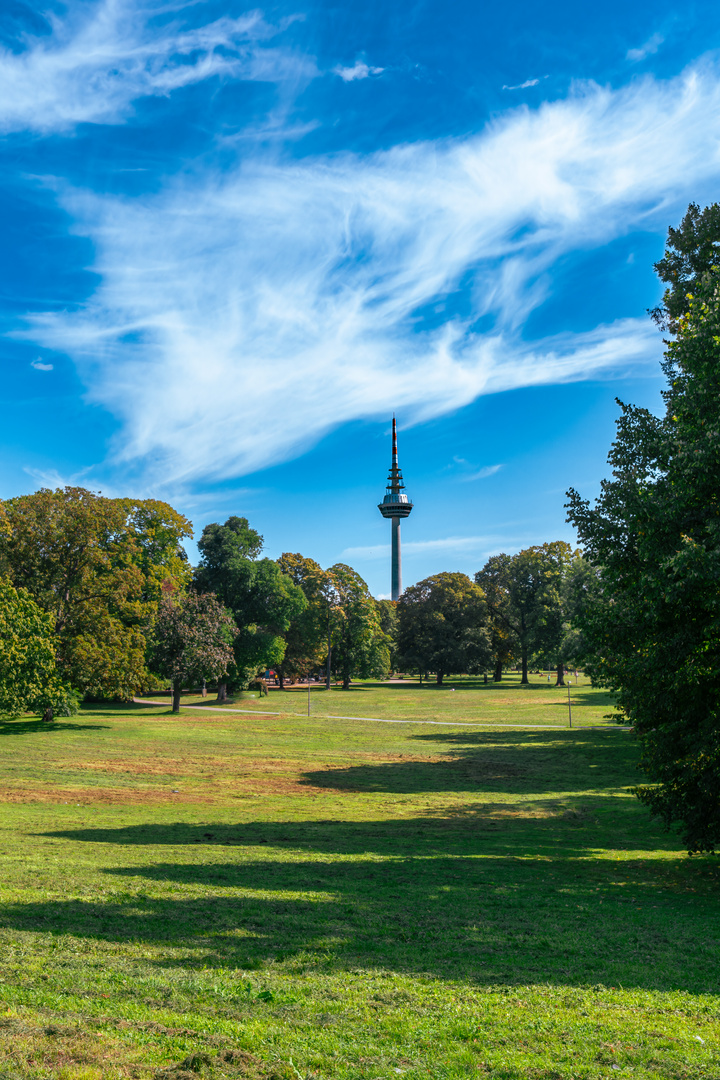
<point>395,506</point>
<point>396,571</point>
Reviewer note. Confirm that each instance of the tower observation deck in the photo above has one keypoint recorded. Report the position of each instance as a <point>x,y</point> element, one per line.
<point>395,506</point>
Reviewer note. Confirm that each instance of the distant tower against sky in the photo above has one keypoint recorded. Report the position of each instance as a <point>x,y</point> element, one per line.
<point>395,505</point>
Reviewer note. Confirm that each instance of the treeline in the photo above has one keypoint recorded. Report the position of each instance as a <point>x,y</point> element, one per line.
<point>100,602</point>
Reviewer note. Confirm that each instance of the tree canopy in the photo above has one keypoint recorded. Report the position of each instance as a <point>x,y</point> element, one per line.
<point>534,610</point>
<point>307,635</point>
<point>691,251</point>
<point>28,673</point>
<point>494,580</point>
<point>359,646</point>
<point>192,640</point>
<point>263,600</point>
<point>97,566</point>
<point>442,626</point>
<point>654,536</point>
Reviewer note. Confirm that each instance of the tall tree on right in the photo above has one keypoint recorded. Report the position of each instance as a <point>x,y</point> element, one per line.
<point>654,536</point>
<point>691,252</point>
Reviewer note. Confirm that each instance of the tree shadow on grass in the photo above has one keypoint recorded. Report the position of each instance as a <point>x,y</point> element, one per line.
<point>510,891</point>
<point>566,760</point>
<point>31,727</point>
<point>579,826</point>
<point>500,919</point>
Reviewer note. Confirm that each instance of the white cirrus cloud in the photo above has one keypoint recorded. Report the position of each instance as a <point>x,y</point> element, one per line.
<point>420,547</point>
<point>240,316</point>
<point>40,366</point>
<point>102,55</point>
<point>523,85</point>
<point>482,474</point>
<point>650,47</point>
<point>359,70</point>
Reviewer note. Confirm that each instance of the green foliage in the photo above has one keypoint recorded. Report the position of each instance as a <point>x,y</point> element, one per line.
<point>691,251</point>
<point>654,534</point>
<point>388,617</point>
<point>563,643</point>
<point>359,646</point>
<point>529,604</point>
<point>97,566</point>
<point>306,636</point>
<point>494,580</point>
<point>28,673</point>
<point>263,600</point>
<point>192,640</point>
<point>442,626</point>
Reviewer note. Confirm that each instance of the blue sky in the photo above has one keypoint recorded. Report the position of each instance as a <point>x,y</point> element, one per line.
<point>237,240</point>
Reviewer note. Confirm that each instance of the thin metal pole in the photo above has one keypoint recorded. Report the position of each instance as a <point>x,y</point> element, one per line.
<point>308,693</point>
<point>569,705</point>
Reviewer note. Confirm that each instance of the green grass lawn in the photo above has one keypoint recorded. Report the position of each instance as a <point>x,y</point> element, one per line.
<point>464,699</point>
<point>255,896</point>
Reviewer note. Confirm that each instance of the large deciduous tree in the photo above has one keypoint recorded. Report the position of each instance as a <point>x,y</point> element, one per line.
<point>442,626</point>
<point>29,678</point>
<point>494,580</point>
<point>192,640</point>
<point>96,565</point>
<point>654,536</point>
<point>263,600</point>
<point>691,251</point>
<point>388,616</point>
<point>359,646</point>
<point>306,636</point>
<point>535,610</point>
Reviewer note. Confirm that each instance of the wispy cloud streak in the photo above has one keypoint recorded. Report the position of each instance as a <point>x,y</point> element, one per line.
<point>359,70</point>
<point>483,474</point>
<point>241,316</point>
<point>459,544</point>
<point>650,47</point>
<point>102,56</point>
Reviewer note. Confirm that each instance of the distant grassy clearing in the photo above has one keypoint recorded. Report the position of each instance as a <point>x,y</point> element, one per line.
<point>463,700</point>
<point>358,898</point>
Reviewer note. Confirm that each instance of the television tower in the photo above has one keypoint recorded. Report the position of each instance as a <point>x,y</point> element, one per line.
<point>395,505</point>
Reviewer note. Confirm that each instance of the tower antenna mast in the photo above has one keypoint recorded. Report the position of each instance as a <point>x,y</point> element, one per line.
<point>395,506</point>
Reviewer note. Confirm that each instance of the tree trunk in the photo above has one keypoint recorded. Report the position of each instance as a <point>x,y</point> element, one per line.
<point>47,715</point>
<point>439,677</point>
<point>222,692</point>
<point>281,679</point>
<point>497,676</point>
<point>177,687</point>
<point>560,675</point>
<point>485,679</point>
<point>346,681</point>
<point>329,664</point>
<point>204,689</point>
<point>524,678</point>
